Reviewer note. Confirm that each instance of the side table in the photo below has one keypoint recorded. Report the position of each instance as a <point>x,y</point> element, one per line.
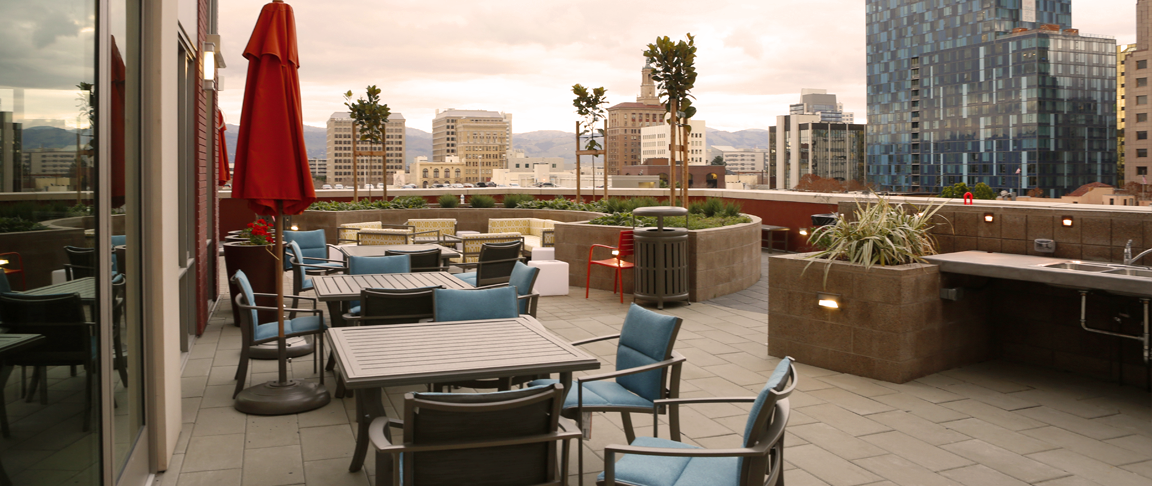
<point>553,278</point>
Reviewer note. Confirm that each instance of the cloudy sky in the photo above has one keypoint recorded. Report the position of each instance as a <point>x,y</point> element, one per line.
<point>522,57</point>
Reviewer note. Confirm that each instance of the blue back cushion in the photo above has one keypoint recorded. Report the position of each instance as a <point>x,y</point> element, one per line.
<point>4,287</point>
<point>645,339</point>
<point>776,382</point>
<point>119,240</point>
<point>379,264</point>
<point>311,244</point>
<point>467,305</point>
<point>246,288</point>
<point>292,251</point>
<point>522,278</point>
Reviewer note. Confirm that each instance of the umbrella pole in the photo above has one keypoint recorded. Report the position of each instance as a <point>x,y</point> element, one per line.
<point>281,345</point>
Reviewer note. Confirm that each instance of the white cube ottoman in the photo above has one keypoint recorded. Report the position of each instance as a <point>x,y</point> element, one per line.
<point>542,254</point>
<point>553,278</point>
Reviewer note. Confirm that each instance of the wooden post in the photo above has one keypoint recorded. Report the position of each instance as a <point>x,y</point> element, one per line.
<point>684,148</point>
<point>578,163</point>
<point>672,129</point>
<point>355,167</point>
<point>605,159</point>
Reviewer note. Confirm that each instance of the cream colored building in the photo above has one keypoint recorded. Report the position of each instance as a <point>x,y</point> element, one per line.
<point>654,142</point>
<point>481,139</point>
<point>427,173</point>
<point>340,138</point>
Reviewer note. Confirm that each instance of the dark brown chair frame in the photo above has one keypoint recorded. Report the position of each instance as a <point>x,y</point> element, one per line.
<point>420,259</point>
<point>81,262</point>
<point>248,340</point>
<point>496,261</point>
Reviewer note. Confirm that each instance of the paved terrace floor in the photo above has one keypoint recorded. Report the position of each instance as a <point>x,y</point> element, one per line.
<point>995,423</point>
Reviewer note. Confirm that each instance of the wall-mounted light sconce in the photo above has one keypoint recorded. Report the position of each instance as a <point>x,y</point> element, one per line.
<point>1066,221</point>
<point>295,228</point>
<point>208,55</point>
<point>803,231</point>
<point>829,301</point>
<point>988,218</point>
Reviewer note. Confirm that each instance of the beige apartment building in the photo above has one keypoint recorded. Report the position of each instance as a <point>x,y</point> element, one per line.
<point>371,168</point>
<point>481,139</point>
<point>426,173</point>
<point>654,143</point>
<point>1133,75</point>
<point>625,121</point>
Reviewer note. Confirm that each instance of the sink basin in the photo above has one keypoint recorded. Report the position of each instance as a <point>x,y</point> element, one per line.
<point>1082,267</point>
<point>1131,272</point>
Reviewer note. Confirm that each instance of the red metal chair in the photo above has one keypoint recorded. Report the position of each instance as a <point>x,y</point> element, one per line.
<point>622,250</point>
<point>9,271</point>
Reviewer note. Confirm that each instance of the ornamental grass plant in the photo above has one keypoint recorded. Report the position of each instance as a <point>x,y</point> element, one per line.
<point>881,234</point>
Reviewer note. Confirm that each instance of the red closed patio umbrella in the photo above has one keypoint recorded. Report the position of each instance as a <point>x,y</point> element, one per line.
<point>271,172</point>
<point>222,175</point>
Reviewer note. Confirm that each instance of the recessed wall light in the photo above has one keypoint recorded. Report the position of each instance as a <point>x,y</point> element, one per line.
<point>988,217</point>
<point>803,232</point>
<point>829,301</point>
<point>1066,221</point>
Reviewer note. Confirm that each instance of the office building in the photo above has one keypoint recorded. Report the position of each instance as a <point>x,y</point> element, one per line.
<point>11,159</point>
<point>481,139</point>
<point>340,142</point>
<point>742,160</point>
<point>1122,53</point>
<point>625,121</point>
<point>975,92</point>
<point>319,168</point>
<point>654,142</point>
<point>1135,103</point>
<point>819,102</point>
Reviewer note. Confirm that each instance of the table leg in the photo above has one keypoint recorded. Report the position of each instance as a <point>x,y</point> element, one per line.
<point>368,407</point>
<point>566,381</point>
<point>336,312</point>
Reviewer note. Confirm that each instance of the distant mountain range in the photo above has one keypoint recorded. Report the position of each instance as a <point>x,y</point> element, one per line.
<point>540,143</point>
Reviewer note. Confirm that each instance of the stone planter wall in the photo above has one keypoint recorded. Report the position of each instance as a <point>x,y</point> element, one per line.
<point>467,219</point>
<point>723,260</point>
<point>892,324</point>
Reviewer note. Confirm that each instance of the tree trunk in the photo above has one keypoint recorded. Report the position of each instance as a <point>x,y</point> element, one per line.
<point>578,163</point>
<point>605,147</point>
<point>672,130</point>
<point>684,150</point>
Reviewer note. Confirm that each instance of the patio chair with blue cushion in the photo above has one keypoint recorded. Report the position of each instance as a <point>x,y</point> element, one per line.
<point>422,260</point>
<point>313,252</point>
<point>253,332</point>
<point>369,265</point>
<point>646,370</point>
<point>523,278</point>
<point>393,306</point>
<point>301,269</point>
<point>651,461</point>
<point>496,302</point>
<point>507,438</point>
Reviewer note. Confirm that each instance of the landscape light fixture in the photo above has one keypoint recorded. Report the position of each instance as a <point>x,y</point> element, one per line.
<point>830,301</point>
<point>1066,221</point>
<point>803,231</point>
<point>209,58</point>
<point>295,228</point>
<point>3,262</point>
<point>988,218</point>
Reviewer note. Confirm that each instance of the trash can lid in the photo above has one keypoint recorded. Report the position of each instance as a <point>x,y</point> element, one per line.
<point>660,211</point>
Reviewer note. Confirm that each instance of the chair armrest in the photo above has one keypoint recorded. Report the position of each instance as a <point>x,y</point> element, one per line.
<point>631,371</point>
<point>595,339</point>
<point>313,266</point>
<point>683,401</point>
<point>311,299</point>
<point>533,301</point>
<point>669,451</point>
<point>493,286</point>
<point>376,431</point>
<point>475,444</point>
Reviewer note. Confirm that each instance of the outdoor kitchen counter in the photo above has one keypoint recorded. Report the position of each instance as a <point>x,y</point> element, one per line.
<point>1031,268</point>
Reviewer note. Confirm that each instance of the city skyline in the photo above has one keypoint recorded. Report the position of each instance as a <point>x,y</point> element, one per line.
<point>752,59</point>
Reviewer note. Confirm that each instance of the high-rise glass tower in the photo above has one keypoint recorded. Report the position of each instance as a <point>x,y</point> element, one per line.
<point>995,91</point>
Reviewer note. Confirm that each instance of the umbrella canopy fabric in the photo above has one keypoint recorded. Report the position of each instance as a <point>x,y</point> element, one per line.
<point>271,159</point>
<point>222,175</point>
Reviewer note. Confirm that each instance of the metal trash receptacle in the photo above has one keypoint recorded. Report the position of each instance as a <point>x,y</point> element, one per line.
<point>824,219</point>
<point>661,271</point>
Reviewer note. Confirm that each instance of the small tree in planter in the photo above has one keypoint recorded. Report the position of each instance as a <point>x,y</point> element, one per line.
<point>590,106</point>
<point>369,118</point>
<point>675,75</point>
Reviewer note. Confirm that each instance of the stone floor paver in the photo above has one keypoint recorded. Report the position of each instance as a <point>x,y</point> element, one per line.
<point>992,423</point>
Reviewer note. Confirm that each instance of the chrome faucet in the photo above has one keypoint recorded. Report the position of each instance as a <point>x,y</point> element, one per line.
<point>1128,259</point>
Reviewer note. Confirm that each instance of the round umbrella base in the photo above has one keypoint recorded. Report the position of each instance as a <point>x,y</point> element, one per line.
<point>274,398</point>
<point>297,347</point>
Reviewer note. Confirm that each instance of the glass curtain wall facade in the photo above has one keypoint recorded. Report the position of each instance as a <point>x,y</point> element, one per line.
<point>904,39</point>
<point>833,150</point>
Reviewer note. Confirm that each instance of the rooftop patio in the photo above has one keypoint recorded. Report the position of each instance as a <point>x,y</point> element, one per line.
<point>995,423</point>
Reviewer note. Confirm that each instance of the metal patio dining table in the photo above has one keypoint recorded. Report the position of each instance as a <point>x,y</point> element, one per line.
<point>337,289</point>
<point>370,358</point>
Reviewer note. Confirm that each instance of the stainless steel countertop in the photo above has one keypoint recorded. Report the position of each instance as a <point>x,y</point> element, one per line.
<point>1030,268</point>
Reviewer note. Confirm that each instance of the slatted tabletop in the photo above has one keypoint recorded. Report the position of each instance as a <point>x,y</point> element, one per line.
<point>16,342</point>
<point>379,250</point>
<point>86,287</point>
<point>347,287</point>
<point>406,354</point>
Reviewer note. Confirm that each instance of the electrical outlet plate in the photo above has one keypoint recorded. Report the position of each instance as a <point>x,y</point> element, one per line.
<point>1044,246</point>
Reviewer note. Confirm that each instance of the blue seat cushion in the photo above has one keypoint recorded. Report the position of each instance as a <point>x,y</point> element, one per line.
<point>291,326</point>
<point>601,393</point>
<point>306,284</point>
<point>468,278</point>
<point>467,305</point>
<point>355,310</point>
<point>641,470</point>
<point>311,244</point>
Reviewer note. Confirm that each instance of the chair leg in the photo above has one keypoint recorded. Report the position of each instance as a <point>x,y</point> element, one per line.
<point>5,372</point>
<point>241,371</point>
<point>316,359</point>
<point>43,385</point>
<point>33,384</point>
<point>588,279</point>
<point>629,432</point>
<point>620,280</point>
<point>88,397</point>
